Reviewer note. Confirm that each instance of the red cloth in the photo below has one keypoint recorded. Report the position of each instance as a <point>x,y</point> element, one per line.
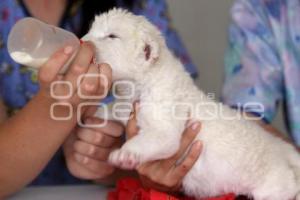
<point>131,189</point>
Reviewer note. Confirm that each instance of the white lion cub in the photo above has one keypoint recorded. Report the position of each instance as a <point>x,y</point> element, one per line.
<point>238,155</point>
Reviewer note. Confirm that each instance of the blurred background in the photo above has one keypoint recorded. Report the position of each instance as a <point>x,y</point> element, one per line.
<point>203,25</point>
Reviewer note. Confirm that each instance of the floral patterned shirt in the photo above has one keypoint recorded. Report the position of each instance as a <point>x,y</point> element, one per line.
<point>18,84</point>
<point>263,60</point>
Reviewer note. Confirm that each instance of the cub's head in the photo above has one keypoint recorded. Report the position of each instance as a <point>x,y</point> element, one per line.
<point>129,43</point>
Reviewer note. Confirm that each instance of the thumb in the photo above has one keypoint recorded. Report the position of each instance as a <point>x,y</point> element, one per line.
<point>131,128</point>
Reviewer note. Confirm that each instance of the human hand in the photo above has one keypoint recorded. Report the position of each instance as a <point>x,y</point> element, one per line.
<point>87,149</point>
<point>81,76</point>
<point>167,175</point>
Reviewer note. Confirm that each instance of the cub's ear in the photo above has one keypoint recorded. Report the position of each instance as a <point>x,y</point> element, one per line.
<point>151,50</point>
<point>148,49</point>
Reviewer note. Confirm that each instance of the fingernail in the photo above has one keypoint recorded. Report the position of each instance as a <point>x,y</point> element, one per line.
<point>85,160</point>
<point>68,50</point>
<point>195,126</point>
<point>88,121</point>
<point>98,138</point>
<point>137,105</point>
<point>101,65</point>
<point>92,150</point>
<point>198,144</point>
<point>78,69</point>
<point>89,87</point>
<point>78,158</point>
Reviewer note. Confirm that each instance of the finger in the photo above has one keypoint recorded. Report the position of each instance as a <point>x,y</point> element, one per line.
<point>154,176</point>
<point>96,138</point>
<point>148,169</point>
<point>93,165</point>
<point>132,128</point>
<point>96,85</point>
<point>80,171</point>
<point>110,128</point>
<point>184,167</point>
<point>81,64</point>
<point>105,79</point>
<point>50,69</point>
<point>91,151</point>
<point>88,85</point>
<point>90,112</point>
<point>68,145</point>
<point>188,137</point>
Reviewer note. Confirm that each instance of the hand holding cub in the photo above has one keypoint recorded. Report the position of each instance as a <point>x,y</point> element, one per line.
<point>88,149</point>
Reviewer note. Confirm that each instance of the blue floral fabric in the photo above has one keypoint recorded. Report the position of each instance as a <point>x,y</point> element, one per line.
<point>18,84</point>
<point>263,59</point>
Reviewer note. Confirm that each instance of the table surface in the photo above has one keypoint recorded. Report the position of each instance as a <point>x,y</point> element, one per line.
<point>89,192</point>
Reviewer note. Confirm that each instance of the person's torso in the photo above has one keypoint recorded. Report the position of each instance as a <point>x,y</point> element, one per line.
<point>18,84</point>
<point>283,34</point>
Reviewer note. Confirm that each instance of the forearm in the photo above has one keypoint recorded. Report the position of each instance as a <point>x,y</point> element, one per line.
<point>28,141</point>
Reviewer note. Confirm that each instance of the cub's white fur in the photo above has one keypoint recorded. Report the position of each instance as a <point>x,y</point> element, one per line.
<point>238,155</point>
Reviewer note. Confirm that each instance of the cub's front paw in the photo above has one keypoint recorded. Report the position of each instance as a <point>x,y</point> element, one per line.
<point>124,159</point>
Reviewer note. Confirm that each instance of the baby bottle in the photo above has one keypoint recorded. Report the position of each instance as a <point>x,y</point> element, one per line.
<point>31,42</point>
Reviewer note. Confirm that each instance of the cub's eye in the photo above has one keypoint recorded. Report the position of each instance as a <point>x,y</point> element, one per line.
<point>112,36</point>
